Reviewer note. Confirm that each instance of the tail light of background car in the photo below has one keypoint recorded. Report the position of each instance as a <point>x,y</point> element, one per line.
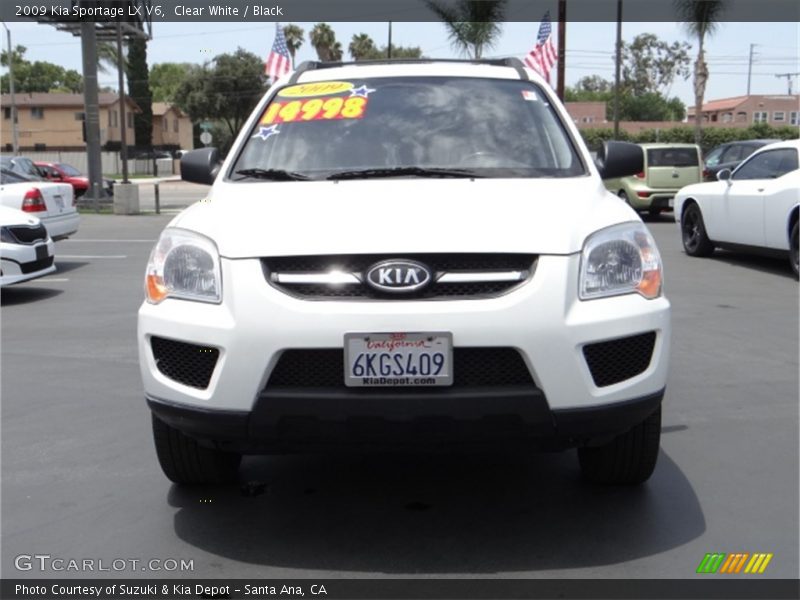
<point>643,194</point>
<point>33,201</point>
<point>639,175</point>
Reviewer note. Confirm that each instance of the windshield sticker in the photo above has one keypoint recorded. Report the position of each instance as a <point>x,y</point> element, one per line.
<point>265,132</point>
<point>530,95</point>
<point>317,109</point>
<point>361,92</point>
<point>322,88</point>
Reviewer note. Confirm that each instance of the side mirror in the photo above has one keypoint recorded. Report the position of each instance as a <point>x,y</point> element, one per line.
<point>200,166</point>
<point>619,159</point>
<point>724,175</point>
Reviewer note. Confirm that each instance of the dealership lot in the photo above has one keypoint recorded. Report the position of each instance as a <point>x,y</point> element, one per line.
<point>81,479</point>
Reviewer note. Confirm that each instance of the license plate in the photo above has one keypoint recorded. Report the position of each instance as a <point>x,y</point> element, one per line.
<point>41,252</point>
<point>398,359</point>
<point>671,202</point>
<point>59,201</point>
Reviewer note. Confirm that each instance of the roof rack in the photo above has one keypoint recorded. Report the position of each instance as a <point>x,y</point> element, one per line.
<point>313,65</point>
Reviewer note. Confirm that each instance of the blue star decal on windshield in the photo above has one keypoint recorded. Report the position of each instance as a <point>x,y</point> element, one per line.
<point>361,92</point>
<point>265,132</point>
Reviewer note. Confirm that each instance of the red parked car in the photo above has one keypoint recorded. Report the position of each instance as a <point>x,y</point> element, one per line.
<point>69,174</point>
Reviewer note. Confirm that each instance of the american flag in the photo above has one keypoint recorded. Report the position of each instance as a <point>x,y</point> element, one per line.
<point>544,54</point>
<point>279,62</point>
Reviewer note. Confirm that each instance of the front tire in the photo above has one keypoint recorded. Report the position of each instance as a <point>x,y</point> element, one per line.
<point>693,232</point>
<point>794,256</point>
<point>183,460</point>
<point>629,458</point>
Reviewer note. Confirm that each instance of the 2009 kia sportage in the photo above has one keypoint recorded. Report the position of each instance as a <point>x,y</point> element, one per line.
<point>406,253</point>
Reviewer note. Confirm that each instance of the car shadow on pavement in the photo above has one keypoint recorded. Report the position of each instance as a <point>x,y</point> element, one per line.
<point>766,264</point>
<point>22,295</point>
<point>65,266</point>
<point>462,513</point>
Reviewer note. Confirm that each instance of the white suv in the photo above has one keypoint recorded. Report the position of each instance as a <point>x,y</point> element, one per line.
<point>409,253</point>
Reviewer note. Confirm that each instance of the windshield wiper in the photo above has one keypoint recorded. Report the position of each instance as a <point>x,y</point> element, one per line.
<point>401,171</point>
<point>273,174</point>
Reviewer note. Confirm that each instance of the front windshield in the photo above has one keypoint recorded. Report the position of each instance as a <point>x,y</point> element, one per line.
<point>480,127</point>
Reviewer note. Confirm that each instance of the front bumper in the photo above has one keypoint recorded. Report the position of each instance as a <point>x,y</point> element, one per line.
<point>543,320</point>
<point>20,262</point>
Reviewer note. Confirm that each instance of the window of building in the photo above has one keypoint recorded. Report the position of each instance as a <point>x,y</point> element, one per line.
<point>727,117</point>
<point>760,116</point>
<point>778,116</point>
<point>741,117</point>
<point>164,124</point>
<point>9,148</point>
<point>175,126</point>
<point>793,117</point>
<point>37,112</point>
<point>79,116</point>
<point>40,147</point>
<point>6,112</point>
<point>714,118</point>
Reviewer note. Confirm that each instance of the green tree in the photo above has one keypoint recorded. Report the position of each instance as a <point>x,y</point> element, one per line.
<point>225,90</point>
<point>650,64</point>
<point>593,84</point>
<point>324,41</point>
<point>362,46</point>
<point>166,79</point>
<point>38,76</point>
<point>139,91</point>
<point>700,18</point>
<point>294,39</point>
<point>471,26</point>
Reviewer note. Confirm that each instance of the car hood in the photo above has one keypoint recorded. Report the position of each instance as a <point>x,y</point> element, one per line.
<point>11,216</point>
<point>402,215</point>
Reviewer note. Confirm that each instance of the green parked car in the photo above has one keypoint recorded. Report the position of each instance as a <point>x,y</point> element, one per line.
<point>667,168</point>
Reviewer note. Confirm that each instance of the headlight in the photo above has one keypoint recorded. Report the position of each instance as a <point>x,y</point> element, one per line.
<point>183,264</point>
<point>620,260</point>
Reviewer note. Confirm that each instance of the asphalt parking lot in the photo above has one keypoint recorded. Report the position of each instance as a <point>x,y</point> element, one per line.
<point>80,477</point>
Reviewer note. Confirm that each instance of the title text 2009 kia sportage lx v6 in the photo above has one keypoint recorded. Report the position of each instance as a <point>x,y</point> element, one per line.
<point>412,253</point>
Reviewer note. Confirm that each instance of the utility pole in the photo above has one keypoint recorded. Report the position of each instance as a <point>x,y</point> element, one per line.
<point>788,79</point>
<point>92,111</point>
<point>562,47</point>
<point>389,47</point>
<point>618,64</point>
<point>14,134</point>
<point>123,125</point>
<point>750,67</point>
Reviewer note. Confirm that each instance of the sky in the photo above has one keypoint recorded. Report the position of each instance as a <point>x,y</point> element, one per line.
<point>589,48</point>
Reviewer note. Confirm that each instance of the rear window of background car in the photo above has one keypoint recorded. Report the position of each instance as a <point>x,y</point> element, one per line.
<point>672,157</point>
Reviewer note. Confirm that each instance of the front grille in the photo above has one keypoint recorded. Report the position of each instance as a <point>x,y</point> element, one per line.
<point>617,360</point>
<point>189,364</point>
<point>437,263</point>
<point>472,368</point>
<point>36,265</point>
<point>28,235</point>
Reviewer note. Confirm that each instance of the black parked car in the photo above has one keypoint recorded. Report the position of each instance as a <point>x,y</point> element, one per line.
<point>728,156</point>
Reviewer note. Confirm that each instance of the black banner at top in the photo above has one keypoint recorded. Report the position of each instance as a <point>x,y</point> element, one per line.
<point>155,11</point>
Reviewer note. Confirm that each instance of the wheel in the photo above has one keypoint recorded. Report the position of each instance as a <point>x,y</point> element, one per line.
<point>794,257</point>
<point>627,459</point>
<point>693,232</point>
<point>183,460</point>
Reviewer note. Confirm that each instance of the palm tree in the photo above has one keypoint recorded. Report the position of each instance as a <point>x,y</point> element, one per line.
<point>472,26</point>
<point>336,51</point>
<point>362,47</point>
<point>107,57</point>
<point>701,18</point>
<point>294,39</point>
<point>323,39</point>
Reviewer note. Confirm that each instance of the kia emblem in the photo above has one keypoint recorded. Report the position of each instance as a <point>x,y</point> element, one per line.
<point>398,276</point>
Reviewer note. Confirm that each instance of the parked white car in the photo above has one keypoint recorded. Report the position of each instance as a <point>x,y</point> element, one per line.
<point>52,203</point>
<point>410,253</point>
<point>26,250</point>
<point>755,208</point>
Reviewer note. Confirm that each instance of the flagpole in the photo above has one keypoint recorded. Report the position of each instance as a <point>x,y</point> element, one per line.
<point>562,46</point>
